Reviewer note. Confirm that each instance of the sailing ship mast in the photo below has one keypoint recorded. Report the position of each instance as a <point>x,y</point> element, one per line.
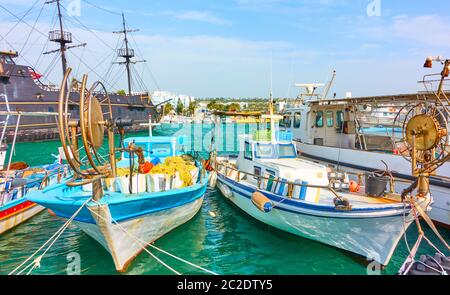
<point>126,52</point>
<point>62,37</point>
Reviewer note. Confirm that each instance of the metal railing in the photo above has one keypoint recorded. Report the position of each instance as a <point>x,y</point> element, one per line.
<point>44,182</point>
<point>260,178</point>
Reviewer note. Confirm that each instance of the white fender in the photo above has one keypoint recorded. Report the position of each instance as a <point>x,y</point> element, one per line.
<point>213,179</point>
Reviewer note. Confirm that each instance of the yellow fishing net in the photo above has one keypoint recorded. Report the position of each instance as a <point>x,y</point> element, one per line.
<point>123,171</point>
<point>175,164</point>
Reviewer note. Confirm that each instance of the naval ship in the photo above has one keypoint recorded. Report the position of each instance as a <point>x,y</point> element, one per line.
<point>22,89</point>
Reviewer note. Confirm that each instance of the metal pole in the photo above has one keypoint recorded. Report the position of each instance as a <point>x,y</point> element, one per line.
<point>13,144</point>
<point>62,42</point>
<point>127,57</point>
<point>6,120</point>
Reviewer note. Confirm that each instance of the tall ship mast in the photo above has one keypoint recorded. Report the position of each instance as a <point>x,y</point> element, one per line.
<point>126,52</point>
<point>23,89</point>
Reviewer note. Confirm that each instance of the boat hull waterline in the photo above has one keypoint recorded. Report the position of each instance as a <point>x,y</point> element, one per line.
<point>17,214</point>
<point>372,235</point>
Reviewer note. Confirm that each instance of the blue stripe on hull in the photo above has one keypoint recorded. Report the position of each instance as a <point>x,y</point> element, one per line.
<point>301,205</point>
<point>64,201</point>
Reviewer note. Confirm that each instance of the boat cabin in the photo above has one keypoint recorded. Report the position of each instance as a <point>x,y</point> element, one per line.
<point>339,124</point>
<point>261,156</point>
<point>153,147</point>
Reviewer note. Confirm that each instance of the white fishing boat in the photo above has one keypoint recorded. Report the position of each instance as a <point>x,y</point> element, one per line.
<point>356,134</point>
<point>268,182</point>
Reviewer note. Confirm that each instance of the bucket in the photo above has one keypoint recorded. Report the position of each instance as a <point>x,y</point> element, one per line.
<point>376,185</point>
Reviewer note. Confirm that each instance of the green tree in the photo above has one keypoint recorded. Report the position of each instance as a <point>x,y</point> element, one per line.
<point>180,107</point>
<point>168,107</point>
<point>212,105</point>
<point>121,92</point>
<point>191,108</point>
<point>233,107</point>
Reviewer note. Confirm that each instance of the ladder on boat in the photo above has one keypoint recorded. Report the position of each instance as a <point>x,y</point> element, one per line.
<point>360,135</point>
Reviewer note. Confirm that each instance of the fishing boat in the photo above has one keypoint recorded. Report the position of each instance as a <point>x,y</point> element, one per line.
<point>268,182</point>
<point>18,179</point>
<point>17,184</point>
<point>361,134</point>
<point>127,204</point>
<point>29,90</point>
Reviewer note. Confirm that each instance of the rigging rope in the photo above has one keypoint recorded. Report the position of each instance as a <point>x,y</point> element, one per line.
<point>52,239</point>
<point>19,18</point>
<point>146,66</point>
<point>410,261</point>
<point>88,29</point>
<point>32,29</point>
<point>102,8</point>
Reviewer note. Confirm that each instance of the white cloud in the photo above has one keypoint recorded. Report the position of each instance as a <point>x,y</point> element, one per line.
<point>198,65</point>
<point>425,30</point>
<point>202,16</point>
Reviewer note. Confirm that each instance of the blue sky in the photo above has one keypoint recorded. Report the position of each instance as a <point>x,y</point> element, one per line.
<point>226,47</point>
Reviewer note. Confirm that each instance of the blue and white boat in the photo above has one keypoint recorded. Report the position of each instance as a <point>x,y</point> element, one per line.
<point>268,182</point>
<point>128,217</point>
<point>15,208</point>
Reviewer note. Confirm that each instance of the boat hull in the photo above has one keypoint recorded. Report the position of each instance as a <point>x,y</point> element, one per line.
<point>361,161</point>
<point>17,214</point>
<point>374,238</point>
<point>124,223</point>
<point>118,239</point>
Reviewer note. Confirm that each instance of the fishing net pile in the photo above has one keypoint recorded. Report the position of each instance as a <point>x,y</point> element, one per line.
<point>174,172</point>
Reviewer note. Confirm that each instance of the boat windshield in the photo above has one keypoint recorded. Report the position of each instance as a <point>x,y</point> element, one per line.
<point>275,151</point>
<point>264,151</point>
<point>286,150</point>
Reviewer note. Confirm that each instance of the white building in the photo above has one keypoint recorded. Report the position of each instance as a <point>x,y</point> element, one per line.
<point>162,96</point>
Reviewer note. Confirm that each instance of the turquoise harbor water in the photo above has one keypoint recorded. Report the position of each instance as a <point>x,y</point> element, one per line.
<point>231,242</point>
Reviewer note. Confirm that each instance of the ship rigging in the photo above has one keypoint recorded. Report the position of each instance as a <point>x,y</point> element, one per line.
<point>25,89</point>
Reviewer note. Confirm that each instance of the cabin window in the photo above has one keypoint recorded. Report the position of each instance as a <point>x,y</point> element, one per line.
<point>264,151</point>
<point>6,59</point>
<point>339,119</point>
<point>248,151</point>
<point>319,119</point>
<point>297,120</point>
<point>257,171</point>
<point>330,119</point>
<point>51,109</point>
<point>286,122</point>
<point>137,145</point>
<point>286,151</point>
<point>161,149</point>
<point>271,172</point>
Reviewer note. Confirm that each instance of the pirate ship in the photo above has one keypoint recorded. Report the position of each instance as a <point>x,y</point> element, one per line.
<point>25,90</point>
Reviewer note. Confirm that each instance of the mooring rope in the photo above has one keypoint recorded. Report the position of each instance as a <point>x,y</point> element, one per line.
<point>36,262</point>
<point>143,244</point>
<point>407,265</point>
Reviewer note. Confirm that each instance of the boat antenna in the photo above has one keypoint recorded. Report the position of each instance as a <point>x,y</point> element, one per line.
<point>126,52</point>
<point>329,84</point>
<point>62,37</point>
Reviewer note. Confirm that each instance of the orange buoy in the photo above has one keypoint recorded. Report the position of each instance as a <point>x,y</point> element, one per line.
<point>261,202</point>
<point>353,186</point>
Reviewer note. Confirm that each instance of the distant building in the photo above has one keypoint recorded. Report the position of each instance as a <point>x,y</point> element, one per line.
<point>160,96</point>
